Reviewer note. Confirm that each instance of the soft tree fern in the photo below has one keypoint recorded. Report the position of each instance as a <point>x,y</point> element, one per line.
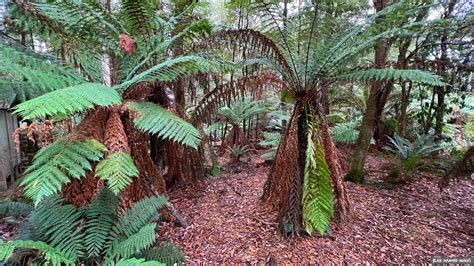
<point>138,41</point>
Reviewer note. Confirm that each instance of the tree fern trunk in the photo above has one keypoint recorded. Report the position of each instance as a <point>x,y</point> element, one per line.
<point>283,189</point>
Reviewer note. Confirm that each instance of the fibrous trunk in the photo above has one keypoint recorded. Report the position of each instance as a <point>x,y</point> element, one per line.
<point>284,187</point>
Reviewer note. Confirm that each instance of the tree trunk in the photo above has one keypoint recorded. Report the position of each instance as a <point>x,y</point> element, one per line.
<point>284,187</point>
<point>375,105</point>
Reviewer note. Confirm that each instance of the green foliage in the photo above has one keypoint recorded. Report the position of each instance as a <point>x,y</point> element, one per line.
<point>408,154</point>
<point>137,262</point>
<point>118,170</point>
<point>346,133</point>
<point>50,254</point>
<point>101,217</point>
<point>157,120</point>
<point>134,243</point>
<point>54,165</point>
<point>138,216</point>
<point>272,140</point>
<point>96,232</point>
<point>317,192</point>
<point>14,208</point>
<point>29,74</point>
<point>166,253</point>
<point>419,76</point>
<point>65,102</point>
<point>423,146</point>
<point>237,151</point>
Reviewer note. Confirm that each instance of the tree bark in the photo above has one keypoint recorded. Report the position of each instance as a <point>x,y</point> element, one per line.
<point>375,104</point>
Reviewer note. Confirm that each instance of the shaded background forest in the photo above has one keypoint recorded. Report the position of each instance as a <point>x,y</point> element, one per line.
<point>131,108</point>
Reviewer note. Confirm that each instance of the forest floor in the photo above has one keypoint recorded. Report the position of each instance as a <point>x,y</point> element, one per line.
<point>408,223</point>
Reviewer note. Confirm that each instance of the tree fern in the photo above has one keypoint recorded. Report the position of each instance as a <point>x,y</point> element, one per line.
<point>54,165</point>
<point>155,119</point>
<point>50,254</point>
<point>395,74</point>
<point>67,101</point>
<point>140,214</point>
<point>100,217</point>
<point>118,170</point>
<point>317,192</point>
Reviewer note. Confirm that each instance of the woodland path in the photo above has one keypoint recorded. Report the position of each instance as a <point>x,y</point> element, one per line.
<point>405,224</point>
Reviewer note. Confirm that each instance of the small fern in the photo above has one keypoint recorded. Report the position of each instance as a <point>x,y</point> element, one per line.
<point>54,165</point>
<point>65,102</point>
<point>317,192</point>
<point>157,120</point>
<point>118,170</point>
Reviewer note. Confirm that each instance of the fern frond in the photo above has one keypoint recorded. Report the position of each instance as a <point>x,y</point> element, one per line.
<point>15,208</point>
<point>176,68</point>
<point>34,74</point>
<point>166,253</point>
<point>157,120</point>
<point>137,16</point>
<point>101,216</point>
<point>317,192</point>
<point>140,214</point>
<point>59,226</point>
<point>418,76</point>
<point>137,262</point>
<point>134,243</point>
<point>54,165</point>
<point>66,101</point>
<point>345,132</point>
<point>118,170</point>
<point>50,254</point>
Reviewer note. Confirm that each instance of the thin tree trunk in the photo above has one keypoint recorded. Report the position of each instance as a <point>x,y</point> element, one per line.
<point>374,104</point>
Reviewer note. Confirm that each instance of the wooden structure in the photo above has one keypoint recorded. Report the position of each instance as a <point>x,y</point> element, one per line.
<point>10,159</point>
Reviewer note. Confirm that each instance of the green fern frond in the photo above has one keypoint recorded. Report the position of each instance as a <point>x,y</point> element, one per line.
<point>138,16</point>
<point>59,226</point>
<point>137,262</point>
<point>100,217</point>
<point>157,120</point>
<point>140,214</point>
<point>15,208</point>
<point>50,254</point>
<point>317,192</point>
<point>166,253</point>
<point>345,132</point>
<point>135,243</point>
<point>67,101</point>
<point>419,76</point>
<point>175,68</point>
<point>54,165</point>
<point>118,170</point>
<point>271,139</point>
